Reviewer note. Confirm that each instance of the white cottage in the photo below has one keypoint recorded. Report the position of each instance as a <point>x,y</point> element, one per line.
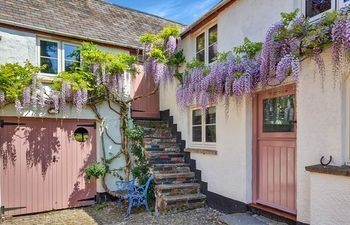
<point>42,165</point>
<point>244,162</point>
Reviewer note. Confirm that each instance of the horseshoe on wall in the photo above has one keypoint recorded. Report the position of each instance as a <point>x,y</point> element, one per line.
<point>326,164</point>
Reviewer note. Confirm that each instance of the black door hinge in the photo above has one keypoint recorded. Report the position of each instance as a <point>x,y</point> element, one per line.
<point>3,124</point>
<point>3,209</point>
<point>88,125</point>
<point>88,199</point>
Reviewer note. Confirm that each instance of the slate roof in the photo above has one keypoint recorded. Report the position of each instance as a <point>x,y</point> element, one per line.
<point>93,20</point>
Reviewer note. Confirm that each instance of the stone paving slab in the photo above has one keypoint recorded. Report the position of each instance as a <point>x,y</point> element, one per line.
<point>111,215</point>
<point>247,219</point>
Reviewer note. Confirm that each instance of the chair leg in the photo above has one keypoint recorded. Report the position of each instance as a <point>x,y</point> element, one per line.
<point>129,208</point>
<point>119,203</point>
<point>147,208</point>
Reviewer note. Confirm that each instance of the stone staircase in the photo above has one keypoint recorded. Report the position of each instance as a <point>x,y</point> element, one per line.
<point>176,187</point>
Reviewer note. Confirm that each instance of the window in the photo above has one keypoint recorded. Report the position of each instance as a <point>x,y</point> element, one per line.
<point>213,38</point>
<point>206,45</point>
<point>200,48</point>
<point>49,56</point>
<point>71,57</point>
<point>57,56</point>
<point>204,125</point>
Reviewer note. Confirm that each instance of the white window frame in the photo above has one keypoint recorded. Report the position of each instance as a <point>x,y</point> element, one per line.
<point>319,16</point>
<point>60,57</point>
<point>203,143</point>
<point>63,54</point>
<point>215,43</point>
<point>205,31</point>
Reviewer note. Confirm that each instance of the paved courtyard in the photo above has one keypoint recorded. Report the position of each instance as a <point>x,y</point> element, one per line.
<point>109,214</point>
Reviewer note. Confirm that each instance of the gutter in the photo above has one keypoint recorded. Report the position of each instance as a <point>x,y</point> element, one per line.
<point>16,24</point>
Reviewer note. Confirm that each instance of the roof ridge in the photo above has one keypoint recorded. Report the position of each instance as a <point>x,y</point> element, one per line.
<point>139,11</point>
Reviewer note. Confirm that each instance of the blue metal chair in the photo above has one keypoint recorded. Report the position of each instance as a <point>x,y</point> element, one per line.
<point>138,196</point>
<point>124,188</point>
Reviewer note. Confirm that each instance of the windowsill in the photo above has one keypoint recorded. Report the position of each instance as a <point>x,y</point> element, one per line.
<point>331,170</point>
<point>202,151</point>
<point>47,78</point>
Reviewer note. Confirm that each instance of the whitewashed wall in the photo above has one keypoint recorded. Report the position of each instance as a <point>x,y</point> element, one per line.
<point>321,113</point>
<point>330,199</point>
<point>17,46</point>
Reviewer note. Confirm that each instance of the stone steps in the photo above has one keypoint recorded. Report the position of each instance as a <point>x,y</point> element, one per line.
<point>175,185</point>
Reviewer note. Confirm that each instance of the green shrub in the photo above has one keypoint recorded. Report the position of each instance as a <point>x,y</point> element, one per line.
<point>95,170</point>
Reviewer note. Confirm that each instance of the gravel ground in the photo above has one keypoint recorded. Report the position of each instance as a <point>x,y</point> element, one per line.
<point>109,214</point>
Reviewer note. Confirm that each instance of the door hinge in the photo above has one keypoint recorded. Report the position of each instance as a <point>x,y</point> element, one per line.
<point>3,124</point>
<point>88,125</point>
<point>137,110</point>
<point>3,209</point>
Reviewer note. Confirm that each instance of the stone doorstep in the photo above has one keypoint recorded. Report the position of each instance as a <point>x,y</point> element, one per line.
<point>183,199</point>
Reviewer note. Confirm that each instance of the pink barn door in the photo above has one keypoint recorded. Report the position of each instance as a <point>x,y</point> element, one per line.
<point>275,182</point>
<point>147,107</point>
<point>42,165</point>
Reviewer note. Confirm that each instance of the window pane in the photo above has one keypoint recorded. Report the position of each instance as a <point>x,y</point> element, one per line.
<point>213,35</point>
<point>48,49</point>
<point>210,133</point>
<point>70,65</point>
<point>70,54</point>
<point>51,65</point>
<point>200,43</point>
<point>314,8</point>
<point>213,50</point>
<point>200,56</point>
<point>210,116</point>
<point>196,117</point>
<point>197,134</point>
<point>278,114</point>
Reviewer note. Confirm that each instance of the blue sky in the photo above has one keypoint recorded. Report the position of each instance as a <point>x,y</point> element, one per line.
<point>183,11</point>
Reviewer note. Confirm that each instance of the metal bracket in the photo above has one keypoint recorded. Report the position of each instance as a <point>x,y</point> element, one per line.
<point>3,124</point>
<point>88,199</point>
<point>3,209</point>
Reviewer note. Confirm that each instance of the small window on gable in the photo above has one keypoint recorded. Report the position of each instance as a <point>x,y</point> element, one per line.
<point>317,7</point>
<point>49,56</point>
<point>212,45</point>
<point>71,57</point>
<point>200,48</point>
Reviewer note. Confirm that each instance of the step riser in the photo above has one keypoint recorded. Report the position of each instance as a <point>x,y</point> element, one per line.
<point>176,180</point>
<point>152,124</point>
<point>170,167</point>
<point>162,145</point>
<point>180,205</point>
<point>173,160</point>
<point>177,191</point>
<point>174,170</point>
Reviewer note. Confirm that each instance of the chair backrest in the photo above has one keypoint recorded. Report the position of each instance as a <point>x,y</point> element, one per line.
<point>125,185</point>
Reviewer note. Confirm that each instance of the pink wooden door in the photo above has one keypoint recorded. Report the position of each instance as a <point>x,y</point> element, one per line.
<point>276,149</point>
<point>43,166</point>
<point>147,107</point>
